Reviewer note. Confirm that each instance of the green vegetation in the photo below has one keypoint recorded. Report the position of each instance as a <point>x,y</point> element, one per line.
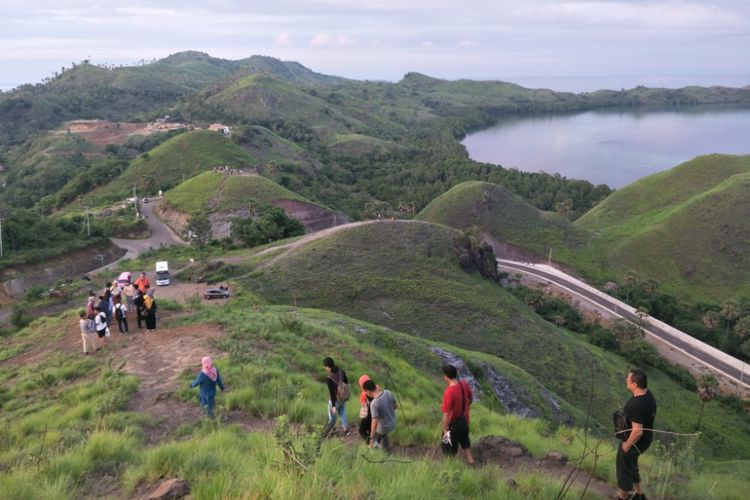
<point>267,225</point>
<point>681,227</point>
<point>403,275</point>
<point>217,192</point>
<point>506,218</point>
<point>181,157</point>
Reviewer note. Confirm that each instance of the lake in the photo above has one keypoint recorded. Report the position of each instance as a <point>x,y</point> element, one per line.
<point>611,147</point>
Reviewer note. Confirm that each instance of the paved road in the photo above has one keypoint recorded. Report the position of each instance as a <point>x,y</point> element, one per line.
<point>719,362</point>
<point>161,234</point>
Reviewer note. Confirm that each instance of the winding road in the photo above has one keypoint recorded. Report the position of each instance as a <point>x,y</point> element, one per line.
<point>161,235</point>
<point>710,357</point>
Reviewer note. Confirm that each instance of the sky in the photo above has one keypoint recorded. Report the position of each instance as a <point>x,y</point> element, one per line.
<point>566,45</point>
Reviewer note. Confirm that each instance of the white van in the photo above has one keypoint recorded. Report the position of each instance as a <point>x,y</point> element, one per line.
<point>162,273</point>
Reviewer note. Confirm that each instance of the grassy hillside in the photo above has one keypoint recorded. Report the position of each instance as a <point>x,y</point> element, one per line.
<point>69,430</point>
<point>505,217</point>
<point>685,227</point>
<point>214,191</point>
<point>177,159</point>
<point>402,275</point>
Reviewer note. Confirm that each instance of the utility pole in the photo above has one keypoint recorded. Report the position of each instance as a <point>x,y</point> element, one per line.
<point>86,222</point>
<point>1,237</point>
<point>549,261</point>
<point>135,203</point>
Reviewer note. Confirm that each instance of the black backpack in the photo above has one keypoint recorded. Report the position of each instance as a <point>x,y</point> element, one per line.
<point>622,425</point>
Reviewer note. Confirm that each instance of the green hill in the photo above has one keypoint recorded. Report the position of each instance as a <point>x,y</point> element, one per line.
<point>504,217</point>
<point>177,159</point>
<point>217,192</point>
<point>686,227</point>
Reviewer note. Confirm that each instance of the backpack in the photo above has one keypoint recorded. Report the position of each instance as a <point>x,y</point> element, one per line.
<point>118,311</point>
<point>343,393</point>
<point>622,427</point>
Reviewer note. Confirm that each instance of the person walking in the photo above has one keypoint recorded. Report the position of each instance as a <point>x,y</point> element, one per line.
<point>640,412</point>
<point>87,335</point>
<point>456,401</point>
<point>365,418</point>
<point>109,304</point>
<point>121,311</point>
<point>100,322</point>
<point>208,379</point>
<point>338,392</point>
<point>383,410</point>
<point>149,305</point>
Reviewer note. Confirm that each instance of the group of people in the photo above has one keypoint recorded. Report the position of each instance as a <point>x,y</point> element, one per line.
<point>378,415</point>
<point>116,301</point>
<point>378,409</point>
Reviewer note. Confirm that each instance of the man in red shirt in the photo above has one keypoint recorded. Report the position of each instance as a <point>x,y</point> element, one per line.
<point>456,401</point>
<point>142,283</point>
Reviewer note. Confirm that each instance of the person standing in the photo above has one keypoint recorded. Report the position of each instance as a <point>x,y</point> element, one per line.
<point>87,335</point>
<point>140,308</point>
<point>338,392</point>
<point>90,311</point>
<point>100,322</point>
<point>129,292</point>
<point>142,283</point>
<point>208,379</point>
<point>456,401</point>
<point>640,411</point>
<point>383,409</point>
<point>121,311</point>
<point>149,305</point>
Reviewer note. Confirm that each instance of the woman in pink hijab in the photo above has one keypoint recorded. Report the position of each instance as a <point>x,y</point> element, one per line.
<point>208,379</point>
<point>365,417</point>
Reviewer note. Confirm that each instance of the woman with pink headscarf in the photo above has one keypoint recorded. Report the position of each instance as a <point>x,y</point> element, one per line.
<point>208,379</point>
<point>364,413</point>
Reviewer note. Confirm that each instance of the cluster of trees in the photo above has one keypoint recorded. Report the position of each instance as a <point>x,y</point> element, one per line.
<point>725,326</point>
<point>266,225</point>
<point>622,337</point>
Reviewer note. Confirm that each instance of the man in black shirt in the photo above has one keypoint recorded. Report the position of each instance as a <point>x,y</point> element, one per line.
<point>640,411</point>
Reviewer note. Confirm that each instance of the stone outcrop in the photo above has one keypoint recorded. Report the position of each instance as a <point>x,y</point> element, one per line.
<point>463,371</point>
<point>514,399</point>
<point>499,449</point>
<point>170,489</point>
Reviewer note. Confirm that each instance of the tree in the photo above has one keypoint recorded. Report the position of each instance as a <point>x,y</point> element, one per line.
<point>711,320</point>
<point>642,314</point>
<point>742,327</point>
<point>563,208</point>
<point>625,332</point>
<point>199,229</point>
<point>730,311</point>
<point>630,281</point>
<point>708,389</point>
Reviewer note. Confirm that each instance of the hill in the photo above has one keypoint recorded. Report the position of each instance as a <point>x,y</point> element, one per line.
<point>226,196</point>
<point>173,161</point>
<point>403,275</point>
<point>506,219</point>
<point>111,426</point>
<point>685,227</point>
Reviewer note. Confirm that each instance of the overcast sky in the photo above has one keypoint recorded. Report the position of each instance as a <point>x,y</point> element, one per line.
<point>622,42</point>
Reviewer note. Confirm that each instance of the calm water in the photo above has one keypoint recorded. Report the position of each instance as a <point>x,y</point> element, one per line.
<point>611,147</point>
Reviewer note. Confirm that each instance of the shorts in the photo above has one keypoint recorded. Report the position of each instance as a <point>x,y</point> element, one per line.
<point>459,435</point>
<point>626,465</point>
<point>101,333</point>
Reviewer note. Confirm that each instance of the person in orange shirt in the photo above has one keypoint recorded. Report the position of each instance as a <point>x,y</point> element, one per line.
<point>143,283</point>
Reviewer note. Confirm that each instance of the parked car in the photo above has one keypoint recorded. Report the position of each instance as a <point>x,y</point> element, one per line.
<point>216,293</point>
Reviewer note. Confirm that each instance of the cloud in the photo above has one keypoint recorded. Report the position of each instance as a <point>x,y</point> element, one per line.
<point>283,39</point>
<point>467,43</point>
<point>327,40</point>
<point>427,44</point>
